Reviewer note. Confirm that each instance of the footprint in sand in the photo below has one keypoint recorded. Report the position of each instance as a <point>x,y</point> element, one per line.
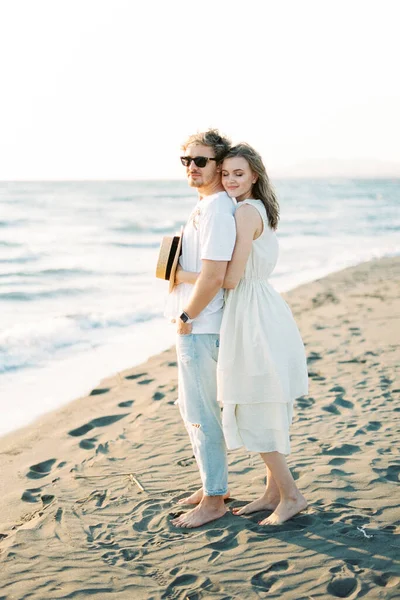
<point>340,401</point>
<point>135,376</point>
<point>312,357</point>
<point>88,443</point>
<point>374,425</point>
<point>47,499</point>
<point>342,587</point>
<point>281,565</point>
<point>392,473</point>
<point>186,462</point>
<point>342,450</point>
<point>98,391</point>
<point>355,331</point>
<point>305,402</point>
<point>338,389</point>
<point>361,384</point>
<point>193,584</point>
<point>158,396</point>
<point>41,469</point>
<point>387,580</point>
<point>110,558</point>
<point>222,540</point>
<point>337,461</point>
<point>385,383</point>
<point>355,360</point>
<point>331,408</point>
<point>265,579</point>
<point>126,404</point>
<point>316,376</point>
<point>340,473</point>
<point>324,298</point>
<point>33,495</point>
<point>99,497</point>
<point>100,422</point>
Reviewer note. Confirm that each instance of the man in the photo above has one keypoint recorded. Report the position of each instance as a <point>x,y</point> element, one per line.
<point>208,242</point>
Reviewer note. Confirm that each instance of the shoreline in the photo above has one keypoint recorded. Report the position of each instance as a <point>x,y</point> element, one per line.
<point>69,500</point>
<point>86,382</point>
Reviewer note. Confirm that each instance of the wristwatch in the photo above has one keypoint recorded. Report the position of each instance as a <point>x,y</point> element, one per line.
<point>184,317</point>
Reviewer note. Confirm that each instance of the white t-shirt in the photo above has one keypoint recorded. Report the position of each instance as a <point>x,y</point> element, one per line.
<point>209,234</point>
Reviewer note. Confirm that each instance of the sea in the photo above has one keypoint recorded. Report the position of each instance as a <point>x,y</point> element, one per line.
<point>79,300</point>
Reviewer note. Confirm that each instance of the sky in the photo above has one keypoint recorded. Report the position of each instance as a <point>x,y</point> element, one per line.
<point>109,89</point>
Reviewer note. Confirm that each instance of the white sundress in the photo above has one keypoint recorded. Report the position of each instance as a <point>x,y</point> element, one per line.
<point>262,364</point>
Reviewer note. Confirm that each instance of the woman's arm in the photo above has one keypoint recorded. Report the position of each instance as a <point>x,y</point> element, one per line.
<point>248,223</point>
<point>182,276</point>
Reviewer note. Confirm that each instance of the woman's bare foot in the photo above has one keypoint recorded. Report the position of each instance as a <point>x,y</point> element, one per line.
<point>285,510</point>
<point>197,497</point>
<point>203,513</point>
<point>266,502</point>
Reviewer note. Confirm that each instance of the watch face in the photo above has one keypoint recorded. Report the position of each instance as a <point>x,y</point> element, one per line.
<point>183,317</point>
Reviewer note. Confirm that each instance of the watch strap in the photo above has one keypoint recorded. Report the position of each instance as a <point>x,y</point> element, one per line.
<point>185,318</point>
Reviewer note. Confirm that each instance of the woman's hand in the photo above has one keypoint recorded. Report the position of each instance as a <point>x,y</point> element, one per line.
<point>178,275</point>
<point>182,276</point>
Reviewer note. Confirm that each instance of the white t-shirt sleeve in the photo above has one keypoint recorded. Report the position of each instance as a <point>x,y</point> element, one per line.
<point>217,234</point>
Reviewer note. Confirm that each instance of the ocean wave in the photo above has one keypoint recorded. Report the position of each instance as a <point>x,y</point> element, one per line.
<point>35,344</point>
<point>13,223</point>
<point>48,273</point>
<point>4,244</point>
<point>56,293</point>
<point>168,227</point>
<point>19,259</point>
<point>135,245</point>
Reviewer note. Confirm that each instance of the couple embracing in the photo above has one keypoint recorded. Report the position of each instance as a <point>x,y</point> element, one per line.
<point>238,346</point>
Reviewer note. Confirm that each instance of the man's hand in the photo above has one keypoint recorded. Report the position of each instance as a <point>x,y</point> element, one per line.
<point>183,328</point>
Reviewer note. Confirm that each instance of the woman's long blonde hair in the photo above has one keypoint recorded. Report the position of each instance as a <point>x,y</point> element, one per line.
<point>262,189</point>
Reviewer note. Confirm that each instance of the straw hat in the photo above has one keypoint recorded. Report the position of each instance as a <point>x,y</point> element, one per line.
<point>168,256</point>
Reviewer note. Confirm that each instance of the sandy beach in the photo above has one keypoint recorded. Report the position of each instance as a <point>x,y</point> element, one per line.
<point>87,492</point>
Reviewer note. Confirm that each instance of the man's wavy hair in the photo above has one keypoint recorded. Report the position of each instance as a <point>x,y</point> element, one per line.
<point>212,138</point>
<point>262,189</point>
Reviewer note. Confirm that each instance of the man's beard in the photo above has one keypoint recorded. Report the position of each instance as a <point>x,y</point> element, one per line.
<point>195,182</point>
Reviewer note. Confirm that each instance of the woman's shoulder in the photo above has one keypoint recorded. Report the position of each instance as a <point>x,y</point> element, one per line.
<point>246,207</point>
<point>258,205</point>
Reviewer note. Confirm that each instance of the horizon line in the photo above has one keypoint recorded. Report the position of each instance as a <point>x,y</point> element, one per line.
<point>176,179</point>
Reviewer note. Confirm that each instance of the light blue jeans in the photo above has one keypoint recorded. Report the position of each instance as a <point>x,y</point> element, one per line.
<point>197,370</point>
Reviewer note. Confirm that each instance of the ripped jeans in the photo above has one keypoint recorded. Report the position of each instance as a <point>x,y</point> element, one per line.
<point>197,370</point>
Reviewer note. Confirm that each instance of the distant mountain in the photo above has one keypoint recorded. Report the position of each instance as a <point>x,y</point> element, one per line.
<point>334,167</point>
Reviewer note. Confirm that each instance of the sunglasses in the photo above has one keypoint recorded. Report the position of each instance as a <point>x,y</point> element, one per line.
<point>199,161</point>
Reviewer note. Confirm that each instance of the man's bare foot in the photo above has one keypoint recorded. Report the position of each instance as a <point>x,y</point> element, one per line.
<point>200,515</point>
<point>266,502</point>
<point>197,497</point>
<point>285,510</point>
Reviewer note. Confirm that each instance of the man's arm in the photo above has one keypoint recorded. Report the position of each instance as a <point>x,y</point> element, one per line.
<point>207,285</point>
<point>217,240</point>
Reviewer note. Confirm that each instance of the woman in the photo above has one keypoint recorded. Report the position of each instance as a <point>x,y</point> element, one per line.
<point>261,365</point>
